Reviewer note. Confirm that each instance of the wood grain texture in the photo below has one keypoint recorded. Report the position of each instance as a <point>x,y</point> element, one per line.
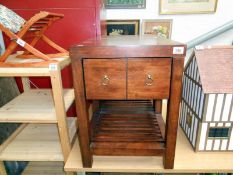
<point>94,73</point>
<point>42,110</point>
<point>36,142</point>
<point>30,67</point>
<point>130,133</point>
<point>215,66</point>
<point>82,112</point>
<point>129,152</point>
<point>140,87</point>
<point>161,125</point>
<point>173,112</point>
<point>60,111</point>
<point>12,137</point>
<point>122,127</point>
<point>158,106</point>
<point>127,41</point>
<point>126,46</point>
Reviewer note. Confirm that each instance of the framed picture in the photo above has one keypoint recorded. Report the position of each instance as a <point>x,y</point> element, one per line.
<point>187,6</point>
<point>125,4</point>
<point>157,27</point>
<point>123,27</point>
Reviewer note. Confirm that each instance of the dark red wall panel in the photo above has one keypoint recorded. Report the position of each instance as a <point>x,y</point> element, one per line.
<point>48,4</point>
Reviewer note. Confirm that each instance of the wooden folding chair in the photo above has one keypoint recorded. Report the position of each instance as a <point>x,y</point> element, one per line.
<point>19,30</point>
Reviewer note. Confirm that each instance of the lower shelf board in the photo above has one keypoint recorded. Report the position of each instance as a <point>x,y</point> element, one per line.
<point>36,142</point>
<point>34,106</point>
<point>186,161</point>
<point>127,128</point>
<point>127,135</point>
<point>44,168</point>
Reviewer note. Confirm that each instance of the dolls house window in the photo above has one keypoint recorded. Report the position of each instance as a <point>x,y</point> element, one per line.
<point>222,132</point>
<point>189,120</point>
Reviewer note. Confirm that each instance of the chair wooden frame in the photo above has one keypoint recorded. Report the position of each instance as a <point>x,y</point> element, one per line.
<point>34,28</point>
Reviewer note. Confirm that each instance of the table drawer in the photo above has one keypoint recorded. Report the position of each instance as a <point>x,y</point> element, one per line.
<point>105,78</point>
<point>149,78</point>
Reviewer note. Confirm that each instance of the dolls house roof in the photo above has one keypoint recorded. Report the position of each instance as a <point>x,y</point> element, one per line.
<point>215,65</point>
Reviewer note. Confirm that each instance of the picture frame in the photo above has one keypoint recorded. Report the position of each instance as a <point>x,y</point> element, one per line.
<point>125,4</point>
<point>187,6</point>
<point>123,27</point>
<point>157,27</point>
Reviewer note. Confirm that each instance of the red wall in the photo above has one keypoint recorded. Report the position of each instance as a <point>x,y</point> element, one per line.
<point>81,21</point>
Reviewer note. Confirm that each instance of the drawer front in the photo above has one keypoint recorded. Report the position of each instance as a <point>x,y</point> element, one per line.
<point>105,78</point>
<point>149,78</point>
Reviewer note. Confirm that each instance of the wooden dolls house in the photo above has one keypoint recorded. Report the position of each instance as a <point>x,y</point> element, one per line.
<point>206,114</point>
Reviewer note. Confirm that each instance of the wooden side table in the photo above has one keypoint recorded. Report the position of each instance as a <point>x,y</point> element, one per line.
<point>125,79</point>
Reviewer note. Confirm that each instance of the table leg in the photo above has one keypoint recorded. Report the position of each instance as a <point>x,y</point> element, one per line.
<point>158,106</point>
<point>173,112</point>
<point>82,113</point>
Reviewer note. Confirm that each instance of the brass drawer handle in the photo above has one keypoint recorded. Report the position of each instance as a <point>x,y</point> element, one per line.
<point>105,80</point>
<point>149,80</point>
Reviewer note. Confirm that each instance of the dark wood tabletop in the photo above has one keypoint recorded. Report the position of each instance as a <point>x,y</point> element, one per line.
<point>125,41</point>
<point>126,46</point>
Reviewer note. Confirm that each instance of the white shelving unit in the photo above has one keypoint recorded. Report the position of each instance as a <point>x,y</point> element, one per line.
<point>46,134</point>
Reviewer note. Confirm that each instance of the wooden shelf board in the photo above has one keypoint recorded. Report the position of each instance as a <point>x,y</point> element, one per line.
<point>37,142</point>
<point>186,161</point>
<point>34,106</point>
<point>44,168</point>
<point>30,71</point>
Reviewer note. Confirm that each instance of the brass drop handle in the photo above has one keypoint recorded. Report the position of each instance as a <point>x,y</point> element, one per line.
<point>105,80</point>
<point>149,80</point>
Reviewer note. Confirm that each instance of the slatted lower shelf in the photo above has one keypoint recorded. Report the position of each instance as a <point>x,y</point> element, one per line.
<point>122,128</point>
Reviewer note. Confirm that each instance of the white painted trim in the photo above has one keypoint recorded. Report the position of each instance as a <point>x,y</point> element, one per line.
<point>198,102</point>
<point>231,141</point>
<point>209,144</point>
<point>216,144</point>
<point>195,99</point>
<point>189,92</point>
<point>227,106</point>
<point>203,136</point>
<point>195,131</point>
<point>231,117</point>
<point>218,108</point>
<point>224,144</point>
<point>192,125</point>
<point>193,95</point>
<point>210,107</point>
<point>201,105</point>
<point>212,124</point>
